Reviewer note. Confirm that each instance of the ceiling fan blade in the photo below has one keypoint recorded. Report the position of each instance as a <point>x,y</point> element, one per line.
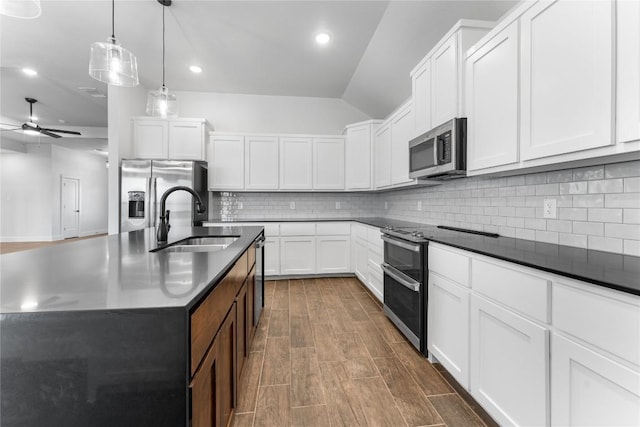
<point>70,132</point>
<point>46,132</point>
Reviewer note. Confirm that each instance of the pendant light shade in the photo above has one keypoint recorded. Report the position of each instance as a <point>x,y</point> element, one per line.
<point>161,103</point>
<point>111,63</point>
<point>26,9</point>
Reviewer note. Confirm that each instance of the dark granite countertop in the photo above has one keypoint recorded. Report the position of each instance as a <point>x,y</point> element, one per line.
<point>610,270</point>
<point>117,272</point>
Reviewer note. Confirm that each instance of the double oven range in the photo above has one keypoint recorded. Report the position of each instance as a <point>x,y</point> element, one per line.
<point>405,270</point>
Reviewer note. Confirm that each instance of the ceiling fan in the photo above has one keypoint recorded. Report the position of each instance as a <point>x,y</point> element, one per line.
<point>31,128</point>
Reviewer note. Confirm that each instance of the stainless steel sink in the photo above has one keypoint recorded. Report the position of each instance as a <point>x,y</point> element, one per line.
<point>200,244</point>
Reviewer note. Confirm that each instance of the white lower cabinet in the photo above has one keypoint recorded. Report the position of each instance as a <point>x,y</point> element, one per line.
<point>362,269</point>
<point>590,389</point>
<point>297,255</point>
<point>272,256</point>
<point>448,323</point>
<point>509,364</point>
<point>333,254</point>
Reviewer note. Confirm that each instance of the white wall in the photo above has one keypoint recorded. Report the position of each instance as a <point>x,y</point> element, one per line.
<point>124,103</point>
<point>262,113</point>
<point>91,170</point>
<point>25,194</point>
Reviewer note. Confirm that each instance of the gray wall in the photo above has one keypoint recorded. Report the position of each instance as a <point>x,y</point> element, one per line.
<point>598,206</point>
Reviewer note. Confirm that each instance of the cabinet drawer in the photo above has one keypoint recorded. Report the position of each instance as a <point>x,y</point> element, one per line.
<point>375,241</point>
<point>361,232</point>
<point>521,291</point>
<point>298,229</point>
<point>375,257</point>
<point>603,318</point>
<point>452,265</point>
<point>333,228</point>
<point>207,318</point>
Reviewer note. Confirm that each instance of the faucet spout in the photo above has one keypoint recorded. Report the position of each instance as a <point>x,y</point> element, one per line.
<point>164,226</point>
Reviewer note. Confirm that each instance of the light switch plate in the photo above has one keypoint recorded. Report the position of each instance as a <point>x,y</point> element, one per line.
<point>419,206</point>
<point>386,206</point>
<point>292,205</point>
<point>550,208</point>
<point>337,205</point>
<point>240,206</point>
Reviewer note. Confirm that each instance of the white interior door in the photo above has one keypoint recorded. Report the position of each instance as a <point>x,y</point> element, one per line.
<point>70,207</point>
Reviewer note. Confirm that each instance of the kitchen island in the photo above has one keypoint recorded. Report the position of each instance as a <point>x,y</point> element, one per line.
<point>100,331</point>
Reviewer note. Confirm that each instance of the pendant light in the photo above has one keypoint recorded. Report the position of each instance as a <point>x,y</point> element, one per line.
<point>111,63</point>
<point>26,9</point>
<point>160,102</point>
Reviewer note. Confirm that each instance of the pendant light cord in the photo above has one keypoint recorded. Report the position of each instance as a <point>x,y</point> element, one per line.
<point>113,19</point>
<point>163,7</point>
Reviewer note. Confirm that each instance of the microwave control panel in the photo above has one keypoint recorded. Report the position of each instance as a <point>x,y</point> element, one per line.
<point>444,148</point>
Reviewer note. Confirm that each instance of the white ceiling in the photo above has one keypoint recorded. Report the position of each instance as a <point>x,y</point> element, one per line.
<point>250,47</point>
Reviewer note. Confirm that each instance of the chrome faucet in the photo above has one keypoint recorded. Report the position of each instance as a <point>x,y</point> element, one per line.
<point>164,226</point>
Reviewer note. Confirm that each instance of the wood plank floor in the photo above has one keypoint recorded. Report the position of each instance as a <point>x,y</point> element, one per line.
<point>9,247</point>
<point>326,355</point>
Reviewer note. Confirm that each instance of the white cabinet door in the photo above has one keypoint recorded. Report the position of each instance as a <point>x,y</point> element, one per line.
<point>226,163</point>
<point>272,256</point>
<point>358,158</point>
<point>186,140</point>
<point>509,365</point>
<point>332,254</point>
<point>328,163</point>
<point>492,101</point>
<point>628,71</point>
<point>298,255</point>
<point>362,270</point>
<point>421,90</point>
<point>261,162</point>
<point>296,163</point>
<point>444,82</point>
<point>589,389</point>
<point>401,132</point>
<point>382,169</point>
<point>566,77</point>
<point>151,139</point>
<point>448,326</point>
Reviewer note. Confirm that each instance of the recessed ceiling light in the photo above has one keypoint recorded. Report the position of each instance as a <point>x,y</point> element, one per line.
<point>30,72</point>
<point>323,38</point>
<point>195,69</point>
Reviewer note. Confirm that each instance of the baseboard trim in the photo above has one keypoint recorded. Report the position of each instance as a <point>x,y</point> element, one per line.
<point>20,239</point>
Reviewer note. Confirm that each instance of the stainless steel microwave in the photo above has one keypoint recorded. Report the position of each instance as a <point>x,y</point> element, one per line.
<point>440,153</point>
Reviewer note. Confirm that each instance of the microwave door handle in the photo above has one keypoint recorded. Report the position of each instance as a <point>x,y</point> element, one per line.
<point>409,284</point>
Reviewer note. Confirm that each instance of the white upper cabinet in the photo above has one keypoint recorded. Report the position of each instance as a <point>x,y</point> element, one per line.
<point>328,163</point>
<point>628,71</point>
<point>421,89</point>
<point>359,155</point>
<point>382,156</point>
<point>226,162</point>
<point>566,77</point>
<point>437,80</point>
<point>296,163</point>
<point>492,101</point>
<point>444,76</point>
<point>401,131</point>
<point>176,139</point>
<point>261,162</point>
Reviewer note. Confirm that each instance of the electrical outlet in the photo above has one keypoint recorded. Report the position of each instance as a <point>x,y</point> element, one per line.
<point>292,205</point>
<point>550,208</point>
<point>240,206</point>
<point>337,205</point>
<point>419,206</point>
<point>386,205</point>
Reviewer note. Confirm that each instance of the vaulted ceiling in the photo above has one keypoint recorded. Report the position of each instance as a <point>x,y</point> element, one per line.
<point>249,47</point>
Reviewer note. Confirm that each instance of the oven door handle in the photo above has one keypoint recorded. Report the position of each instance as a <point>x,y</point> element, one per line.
<point>397,276</point>
<point>400,243</point>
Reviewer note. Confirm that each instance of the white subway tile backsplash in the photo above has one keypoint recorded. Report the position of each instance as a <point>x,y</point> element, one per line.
<point>589,228</point>
<point>605,215</point>
<point>622,231</point>
<point>606,186</point>
<point>631,216</point>
<point>592,203</point>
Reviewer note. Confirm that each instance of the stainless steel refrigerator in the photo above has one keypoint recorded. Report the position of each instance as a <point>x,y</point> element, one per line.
<point>142,184</point>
